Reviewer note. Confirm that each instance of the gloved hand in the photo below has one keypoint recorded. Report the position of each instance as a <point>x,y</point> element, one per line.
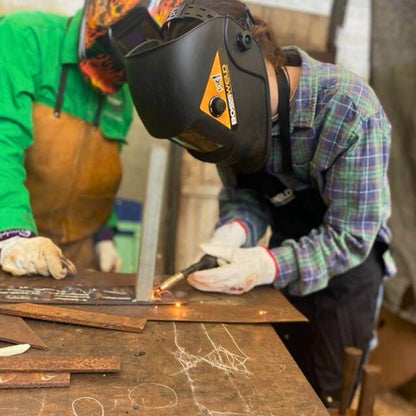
<point>108,257</point>
<point>244,269</point>
<point>232,233</point>
<point>37,255</point>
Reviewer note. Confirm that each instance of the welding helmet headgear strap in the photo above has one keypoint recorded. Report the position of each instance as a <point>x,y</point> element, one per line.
<point>206,92</point>
<point>195,11</point>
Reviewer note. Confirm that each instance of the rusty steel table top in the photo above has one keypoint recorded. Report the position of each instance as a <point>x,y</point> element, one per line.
<point>262,304</point>
<point>172,368</point>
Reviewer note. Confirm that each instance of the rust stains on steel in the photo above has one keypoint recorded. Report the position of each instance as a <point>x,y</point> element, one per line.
<point>15,330</point>
<point>33,380</point>
<point>74,316</point>
<point>58,364</point>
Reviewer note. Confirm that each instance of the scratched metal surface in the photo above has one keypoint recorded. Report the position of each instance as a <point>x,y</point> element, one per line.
<point>187,369</point>
<point>262,304</point>
<point>15,330</point>
<point>87,287</point>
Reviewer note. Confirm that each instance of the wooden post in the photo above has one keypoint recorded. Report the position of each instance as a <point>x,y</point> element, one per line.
<point>368,390</point>
<point>352,361</point>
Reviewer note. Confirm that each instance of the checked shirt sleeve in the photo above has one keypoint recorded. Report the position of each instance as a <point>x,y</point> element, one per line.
<point>351,171</point>
<point>244,205</point>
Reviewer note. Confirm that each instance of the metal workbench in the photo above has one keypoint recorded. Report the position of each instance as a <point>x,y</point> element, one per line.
<point>215,355</point>
<point>173,368</point>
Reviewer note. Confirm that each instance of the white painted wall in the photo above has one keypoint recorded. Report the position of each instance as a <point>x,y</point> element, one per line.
<point>354,38</point>
<point>322,7</point>
<point>60,6</point>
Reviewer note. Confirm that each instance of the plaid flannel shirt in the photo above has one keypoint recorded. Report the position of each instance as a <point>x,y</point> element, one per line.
<point>340,139</point>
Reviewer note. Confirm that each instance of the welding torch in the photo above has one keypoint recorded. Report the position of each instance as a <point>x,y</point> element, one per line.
<point>206,262</point>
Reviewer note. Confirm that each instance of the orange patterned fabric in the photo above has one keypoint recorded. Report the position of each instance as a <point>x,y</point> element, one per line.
<point>97,62</point>
<point>159,9</point>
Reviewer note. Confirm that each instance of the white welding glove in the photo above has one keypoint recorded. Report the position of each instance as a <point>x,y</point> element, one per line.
<point>108,258</point>
<point>244,269</point>
<point>232,233</point>
<point>37,255</point>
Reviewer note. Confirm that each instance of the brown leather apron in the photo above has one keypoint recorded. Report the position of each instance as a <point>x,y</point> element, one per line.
<point>73,173</point>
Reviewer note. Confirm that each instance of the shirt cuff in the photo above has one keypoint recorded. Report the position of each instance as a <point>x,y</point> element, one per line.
<point>16,232</point>
<point>105,233</point>
<point>285,257</point>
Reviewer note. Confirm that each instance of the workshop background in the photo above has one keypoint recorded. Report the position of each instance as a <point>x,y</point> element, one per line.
<point>377,41</point>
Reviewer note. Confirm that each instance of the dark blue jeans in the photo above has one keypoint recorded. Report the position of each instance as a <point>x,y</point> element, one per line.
<point>341,315</point>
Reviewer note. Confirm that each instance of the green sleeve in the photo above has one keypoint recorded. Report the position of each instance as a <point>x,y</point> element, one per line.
<point>18,65</point>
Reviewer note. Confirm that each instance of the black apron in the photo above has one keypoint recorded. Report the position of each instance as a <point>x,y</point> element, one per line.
<point>342,314</point>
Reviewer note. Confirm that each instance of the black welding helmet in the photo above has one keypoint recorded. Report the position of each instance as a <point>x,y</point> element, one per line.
<point>206,90</point>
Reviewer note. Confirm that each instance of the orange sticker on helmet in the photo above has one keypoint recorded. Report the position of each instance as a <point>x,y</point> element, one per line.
<point>219,87</point>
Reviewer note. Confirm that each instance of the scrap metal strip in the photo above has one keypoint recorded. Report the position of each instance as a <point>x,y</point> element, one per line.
<point>73,316</point>
<point>15,330</point>
<point>65,364</point>
<point>33,380</point>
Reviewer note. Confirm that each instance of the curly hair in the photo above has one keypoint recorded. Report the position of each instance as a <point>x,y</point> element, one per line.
<point>260,30</point>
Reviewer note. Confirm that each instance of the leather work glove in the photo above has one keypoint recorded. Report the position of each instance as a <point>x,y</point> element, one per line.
<point>108,257</point>
<point>244,269</point>
<point>37,255</point>
<point>232,233</point>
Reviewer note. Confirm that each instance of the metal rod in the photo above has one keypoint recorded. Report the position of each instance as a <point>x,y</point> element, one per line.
<point>151,222</point>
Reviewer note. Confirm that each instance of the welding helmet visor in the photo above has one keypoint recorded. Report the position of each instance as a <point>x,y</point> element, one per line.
<point>109,29</point>
<point>206,90</point>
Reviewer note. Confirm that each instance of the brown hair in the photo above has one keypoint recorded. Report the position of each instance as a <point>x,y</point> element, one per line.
<point>261,31</point>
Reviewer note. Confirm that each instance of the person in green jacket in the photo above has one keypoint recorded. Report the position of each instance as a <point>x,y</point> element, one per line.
<point>64,113</point>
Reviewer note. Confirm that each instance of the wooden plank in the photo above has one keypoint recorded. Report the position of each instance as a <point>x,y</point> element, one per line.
<point>14,329</point>
<point>71,316</point>
<point>58,364</point>
<point>335,412</point>
<point>291,27</point>
<point>33,380</point>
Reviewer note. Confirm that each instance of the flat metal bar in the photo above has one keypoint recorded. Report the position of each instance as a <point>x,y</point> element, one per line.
<point>72,316</point>
<point>86,288</point>
<point>34,380</point>
<point>151,222</point>
<point>15,330</point>
<point>64,364</point>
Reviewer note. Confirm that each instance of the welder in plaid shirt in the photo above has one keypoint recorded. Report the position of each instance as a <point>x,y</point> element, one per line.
<point>317,176</point>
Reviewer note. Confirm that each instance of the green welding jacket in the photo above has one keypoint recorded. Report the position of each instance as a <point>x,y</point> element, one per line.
<point>33,48</point>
